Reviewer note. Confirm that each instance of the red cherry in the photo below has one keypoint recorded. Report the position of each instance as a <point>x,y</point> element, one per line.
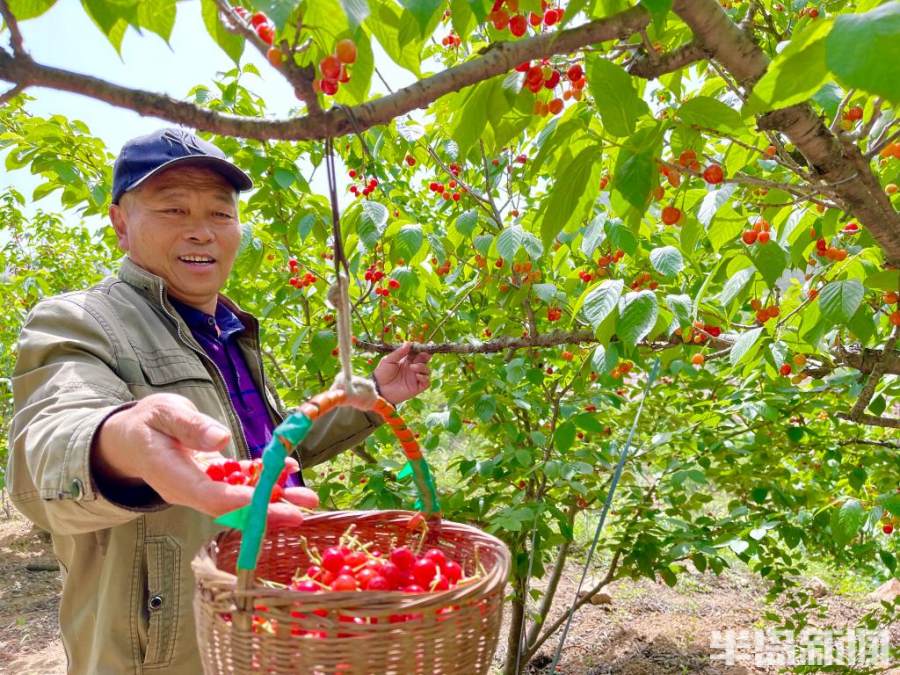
<point>332,559</point>
<point>551,16</point>
<point>216,472</point>
<point>574,73</point>
<point>452,571</point>
<point>552,81</point>
<point>671,215</point>
<point>344,582</point>
<point>518,25</point>
<point>345,50</point>
<point>306,586</point>
<point>236,478</point>
<point>785,369</point>
<point>749,237</point>
<point>364,576</point>
<point>436,556</point>
<point>887,528</point>
<point>413,588</point>
<point>763,237</point>
<point>277,493</point>
<point>266,33</point>
<point>378,583</point>
<point>355,559</point>
<point>258,19</point>
<point>328,87</point>
<point>441,584</point>
<point>330,67</point>
<point>713,174</point>
<point>403,558</point>
<point>392,574</point>
<point>423,571</point>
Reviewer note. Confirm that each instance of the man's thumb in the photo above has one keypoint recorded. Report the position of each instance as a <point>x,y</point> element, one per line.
<point>192,429</point>
<point>397,355</point>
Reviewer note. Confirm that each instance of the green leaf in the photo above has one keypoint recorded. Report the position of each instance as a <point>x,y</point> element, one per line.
<point>284,177</point>
<point>407,242</point>
<point>635,168</point>
<point>157,16</point>
<point>357,11</point>
<point>384,22</point>
<point>891,503</point>
<point>372,220</point>
<point>478,9</point>
<point>485,407</point>
<point>614,96</point>
<point>571,194</point>
<point>423,10</point>
<point>466,221</point>
<point>598,359</point>
<point>863,51</point>
<point>564,436</point>
<point>601,300</point>
<point>839,300</point>
<point>279,11</point>
<point>509,242</point>
<point>621,237</point>
<point>471,119</point>
<point>846,521</point>
<point>795,74</point>
<point>744,346</point>
<point>112,19</point>
<point>231,44</point>
<point>680,306</point>
<point>667,260</point>
<point>705,111</point>
<point>658,10</point>
<point>637,316</point>
<point>29,9</point>
<point>770,260</point>
<point>735,285</point>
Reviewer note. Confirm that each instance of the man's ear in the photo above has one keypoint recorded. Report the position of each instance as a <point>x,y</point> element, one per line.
<point>118,214</point>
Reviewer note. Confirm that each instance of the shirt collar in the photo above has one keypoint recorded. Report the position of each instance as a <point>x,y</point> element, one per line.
<point>201,322</point>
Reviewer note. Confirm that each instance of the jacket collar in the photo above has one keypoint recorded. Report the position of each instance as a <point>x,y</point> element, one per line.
<point>153,288</point>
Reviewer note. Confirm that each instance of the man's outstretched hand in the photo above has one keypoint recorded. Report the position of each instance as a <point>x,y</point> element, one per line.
<point>165,442</point>
<point>401,376</point>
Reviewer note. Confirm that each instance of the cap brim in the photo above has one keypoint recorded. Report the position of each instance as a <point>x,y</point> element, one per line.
<point>240,180</point>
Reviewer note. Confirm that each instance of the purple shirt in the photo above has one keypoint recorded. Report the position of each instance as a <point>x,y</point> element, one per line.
<point>222,348</point>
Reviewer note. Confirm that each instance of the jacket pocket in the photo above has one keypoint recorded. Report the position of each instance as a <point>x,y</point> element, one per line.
<point>163,558</point>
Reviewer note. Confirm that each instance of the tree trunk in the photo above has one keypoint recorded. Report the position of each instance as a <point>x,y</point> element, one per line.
<point>549,594</point>
<point>516,624</point>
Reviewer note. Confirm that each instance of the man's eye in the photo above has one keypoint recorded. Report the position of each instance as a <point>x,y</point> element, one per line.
<point>173,209</point>
<point>223,214</point>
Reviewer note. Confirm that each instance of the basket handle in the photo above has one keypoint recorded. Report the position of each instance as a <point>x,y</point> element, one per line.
<point>251,519</point>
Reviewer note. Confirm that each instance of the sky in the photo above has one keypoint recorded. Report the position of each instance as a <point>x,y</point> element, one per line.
<point>66,37</point>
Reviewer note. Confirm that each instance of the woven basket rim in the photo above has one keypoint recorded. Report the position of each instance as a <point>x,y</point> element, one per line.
<point>218,581</point>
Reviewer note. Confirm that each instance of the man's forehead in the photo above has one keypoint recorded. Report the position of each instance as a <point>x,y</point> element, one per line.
<point>188,178</point>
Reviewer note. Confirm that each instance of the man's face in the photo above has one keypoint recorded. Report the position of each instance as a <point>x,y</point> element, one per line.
<point>182,225</point>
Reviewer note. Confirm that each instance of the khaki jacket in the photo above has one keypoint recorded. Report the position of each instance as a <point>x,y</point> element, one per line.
<point>127,583</point>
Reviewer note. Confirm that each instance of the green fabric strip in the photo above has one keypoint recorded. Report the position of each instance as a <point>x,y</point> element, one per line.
<point>428,499</point>
<point>251,519</point>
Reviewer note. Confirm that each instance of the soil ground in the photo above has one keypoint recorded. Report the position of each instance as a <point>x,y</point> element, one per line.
<point>648,629</point>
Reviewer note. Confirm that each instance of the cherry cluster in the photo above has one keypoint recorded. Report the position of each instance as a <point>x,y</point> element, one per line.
<point>442,269</point>
<point>356,566</point>
<point>541,75</point>
<point>259,22</point>
<point>763,313</point>
<point>504,15</point>
<point>823,250</point>
<point>308,279</point>
<point>334,67</point>
<point>452,40</point>
<point>621,369</point>
<point>758,234</point>
<point>365,188</point>
<point>644,278</point>
<point>449,192</point>
<point>244,472</point>
<point>554,314</point>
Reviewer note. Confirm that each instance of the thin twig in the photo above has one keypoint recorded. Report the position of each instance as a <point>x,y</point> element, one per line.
<point>15,35</point>
<point>868,390</point>
<point>10,94</point>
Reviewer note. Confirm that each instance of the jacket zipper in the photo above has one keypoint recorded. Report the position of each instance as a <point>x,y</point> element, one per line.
<point>220,382</point>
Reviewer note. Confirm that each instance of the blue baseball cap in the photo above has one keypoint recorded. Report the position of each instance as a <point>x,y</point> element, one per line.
<point>146,156</point>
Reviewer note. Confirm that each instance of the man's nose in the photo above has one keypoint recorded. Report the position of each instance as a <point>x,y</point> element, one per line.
<point>200,231</point>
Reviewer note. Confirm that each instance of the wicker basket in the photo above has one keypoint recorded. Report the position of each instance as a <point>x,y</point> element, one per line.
<point>286,631</point>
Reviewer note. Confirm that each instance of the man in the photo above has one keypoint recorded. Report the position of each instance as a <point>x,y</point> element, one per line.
<point>120,389</point>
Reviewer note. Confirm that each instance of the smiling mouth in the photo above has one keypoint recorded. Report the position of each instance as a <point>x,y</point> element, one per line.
<point>197,259</point>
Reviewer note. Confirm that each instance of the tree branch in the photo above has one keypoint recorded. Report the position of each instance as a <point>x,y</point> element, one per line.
<point>15,35</point>
<point>875,374</point>
<point>873,421</point>
<point>685,55</point>
<point>863,360</point>
<point>499,58</point>
<point>839,165</point>
<point>10,94</point>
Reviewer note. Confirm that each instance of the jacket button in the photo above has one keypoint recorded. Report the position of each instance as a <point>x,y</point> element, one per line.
<point>77,489</point>
<point>155,602</point>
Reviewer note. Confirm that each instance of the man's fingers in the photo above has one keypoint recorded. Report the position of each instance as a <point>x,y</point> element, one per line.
<point>398,354</point>
<point>419,368</point>
<point>423,357</point>
<point>188,426</point>
<point>301,496</point>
